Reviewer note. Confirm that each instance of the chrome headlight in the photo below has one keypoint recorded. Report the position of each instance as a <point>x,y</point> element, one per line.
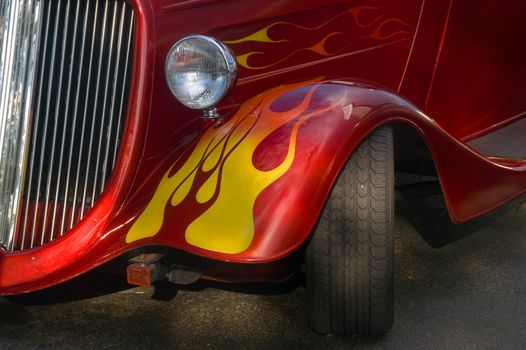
<point>200,71</point>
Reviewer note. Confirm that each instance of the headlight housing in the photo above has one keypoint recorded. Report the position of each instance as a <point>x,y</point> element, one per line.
<point>200,71</point>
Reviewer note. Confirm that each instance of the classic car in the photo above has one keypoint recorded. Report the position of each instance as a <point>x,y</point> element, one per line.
<point>243,140</point>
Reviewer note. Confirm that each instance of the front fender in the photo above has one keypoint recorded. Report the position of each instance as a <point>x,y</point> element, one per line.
<point>252,188</point>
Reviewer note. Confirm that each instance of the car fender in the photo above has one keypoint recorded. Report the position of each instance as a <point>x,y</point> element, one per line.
<point>253,187</point>
<point>256,182</point>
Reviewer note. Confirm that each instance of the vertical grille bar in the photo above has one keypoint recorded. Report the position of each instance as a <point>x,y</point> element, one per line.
<point>75,113</point>
<point>84,118</point>
<point>79,105</point>
<point>63,109</point>
<point>123,99</point>
<point>66,119</point>
<point>19,44</point>
<point>110,136</point>
<point>46,115</point>
<point>56,120</point>
<point>88,201</point>
<point>104,103</point>
<point>35,131</point>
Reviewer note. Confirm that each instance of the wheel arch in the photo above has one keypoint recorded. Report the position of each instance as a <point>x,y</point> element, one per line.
<point>294,167</point>
<point>472,185</point>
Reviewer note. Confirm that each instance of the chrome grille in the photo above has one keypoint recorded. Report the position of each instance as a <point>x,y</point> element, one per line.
<point>79,105</point>
<point>19,36</point>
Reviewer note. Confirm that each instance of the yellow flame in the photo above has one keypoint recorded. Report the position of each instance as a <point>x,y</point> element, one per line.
<point>227,226</point>
<point>318,48</point>
<point>263,36</point>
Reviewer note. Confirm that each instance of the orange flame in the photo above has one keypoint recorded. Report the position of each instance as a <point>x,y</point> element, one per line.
<point>263,36</point>
<point>318,48</point>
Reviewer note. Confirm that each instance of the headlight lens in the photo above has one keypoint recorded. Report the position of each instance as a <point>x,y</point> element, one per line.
<point>200,71</point>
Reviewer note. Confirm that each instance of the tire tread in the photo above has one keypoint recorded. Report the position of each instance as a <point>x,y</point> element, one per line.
<point>349,260</point>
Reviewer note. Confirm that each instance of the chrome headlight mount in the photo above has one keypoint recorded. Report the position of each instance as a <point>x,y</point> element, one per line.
<point>200,72</point>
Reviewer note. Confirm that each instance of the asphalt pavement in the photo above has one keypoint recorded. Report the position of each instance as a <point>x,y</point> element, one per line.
<point>457,287</point>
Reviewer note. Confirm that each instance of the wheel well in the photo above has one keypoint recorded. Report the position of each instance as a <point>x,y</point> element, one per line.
<point>411,152</point>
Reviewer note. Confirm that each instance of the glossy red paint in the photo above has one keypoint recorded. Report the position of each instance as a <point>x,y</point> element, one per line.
<point>479,78</point>
<point>382,62</point>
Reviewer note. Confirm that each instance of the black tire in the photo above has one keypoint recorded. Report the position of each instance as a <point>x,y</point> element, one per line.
<point>349,261</point>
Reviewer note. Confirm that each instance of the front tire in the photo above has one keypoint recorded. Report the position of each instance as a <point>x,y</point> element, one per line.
<point>349,261</point>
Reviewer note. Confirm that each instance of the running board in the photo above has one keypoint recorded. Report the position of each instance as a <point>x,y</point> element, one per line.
<point>507,143</point>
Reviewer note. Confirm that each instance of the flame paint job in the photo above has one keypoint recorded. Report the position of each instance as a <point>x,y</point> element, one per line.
<point>341,33</point>
<point>217,186</point>
<point>423,67</point>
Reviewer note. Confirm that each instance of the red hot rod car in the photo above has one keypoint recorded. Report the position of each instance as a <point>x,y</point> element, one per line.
<point>237,140</point>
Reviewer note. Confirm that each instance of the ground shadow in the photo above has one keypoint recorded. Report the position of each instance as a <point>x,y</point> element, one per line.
<point>430,218</point>
<point>92,284</point>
